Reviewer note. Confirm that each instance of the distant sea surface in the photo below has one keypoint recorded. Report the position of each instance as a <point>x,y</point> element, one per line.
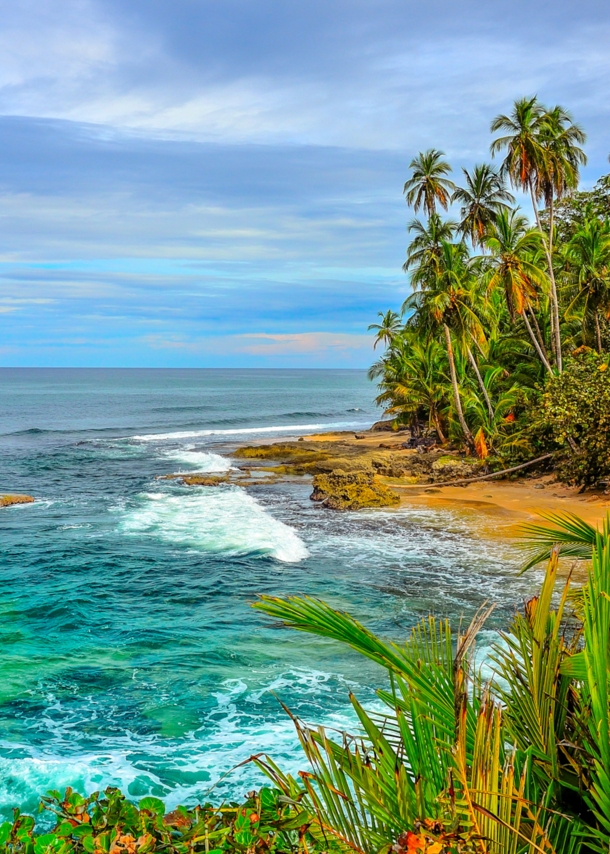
<point>129,652</point>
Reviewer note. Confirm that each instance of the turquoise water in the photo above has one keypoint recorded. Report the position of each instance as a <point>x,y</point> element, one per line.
<point>129,651</point>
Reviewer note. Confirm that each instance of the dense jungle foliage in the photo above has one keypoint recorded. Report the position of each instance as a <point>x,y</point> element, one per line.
<point>508,757</point>
<point>500,305</point>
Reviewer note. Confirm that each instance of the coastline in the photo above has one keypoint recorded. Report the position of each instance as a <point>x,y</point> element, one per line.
<point>495,507</point>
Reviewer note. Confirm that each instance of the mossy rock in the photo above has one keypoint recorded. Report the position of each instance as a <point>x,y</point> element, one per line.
<point>277,451</point>
<point>9,500</point>
<point>340,490</point>
<point>447,467</point>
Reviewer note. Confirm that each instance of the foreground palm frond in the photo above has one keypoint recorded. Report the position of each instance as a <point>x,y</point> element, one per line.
<point>570,537</point>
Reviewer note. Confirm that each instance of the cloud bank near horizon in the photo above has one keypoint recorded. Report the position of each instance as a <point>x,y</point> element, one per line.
<point>218,182</point>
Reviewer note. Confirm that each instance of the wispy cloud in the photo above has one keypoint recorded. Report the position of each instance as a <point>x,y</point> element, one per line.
<point>208,182</point>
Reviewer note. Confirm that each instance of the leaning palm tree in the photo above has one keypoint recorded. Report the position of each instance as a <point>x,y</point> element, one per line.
<point>428,185</point>
<point>589,253</point>
<point>483,197</point>
<point>513,268</point>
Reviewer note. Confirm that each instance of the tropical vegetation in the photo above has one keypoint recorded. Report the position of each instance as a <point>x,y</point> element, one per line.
<point>501,306</point>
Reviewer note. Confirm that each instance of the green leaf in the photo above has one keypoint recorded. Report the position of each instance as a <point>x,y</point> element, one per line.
<point>153,805</point>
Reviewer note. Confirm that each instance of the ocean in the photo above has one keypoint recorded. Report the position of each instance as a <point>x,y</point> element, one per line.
<point>129,652</point>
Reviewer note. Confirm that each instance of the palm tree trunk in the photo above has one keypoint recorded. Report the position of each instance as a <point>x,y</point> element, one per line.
<point>437,424</point>
<point>554,306</point>
<point>598,332</point>
<point>456,389</point>
<point>537,328</point>
<point>475,368</point>
<point>534,340</point>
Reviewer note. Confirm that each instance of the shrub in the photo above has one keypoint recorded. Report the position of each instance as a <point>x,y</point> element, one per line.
<point>573,417</point>
<point>110,824</point>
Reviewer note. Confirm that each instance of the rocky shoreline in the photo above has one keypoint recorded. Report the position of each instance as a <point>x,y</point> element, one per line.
<point>379,468</point>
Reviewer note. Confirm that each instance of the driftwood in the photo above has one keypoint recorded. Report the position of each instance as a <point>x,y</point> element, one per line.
<point>474,479</point>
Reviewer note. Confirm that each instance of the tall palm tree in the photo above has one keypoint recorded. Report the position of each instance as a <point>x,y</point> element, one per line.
<point>513,268</point>
<point>589,251</point>
<point>523,139</point>
<point>388,328</point>
<point>557,174</point>
<point>428,184</point>
<point>444,303</point>
<point>483,197</point>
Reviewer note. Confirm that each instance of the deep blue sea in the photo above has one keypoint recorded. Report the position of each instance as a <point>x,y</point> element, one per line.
<point>129,651</point>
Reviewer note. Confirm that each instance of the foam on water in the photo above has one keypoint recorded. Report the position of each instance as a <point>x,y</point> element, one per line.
<point>200,460</point>
<point>224,521</point>
<point>246,431</point>
<point>181,770</point>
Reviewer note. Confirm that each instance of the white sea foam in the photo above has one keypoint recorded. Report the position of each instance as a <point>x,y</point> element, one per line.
<point>243,431</point>
<point>224,521</point>
<point>200,460</point>
<point>181,770</point>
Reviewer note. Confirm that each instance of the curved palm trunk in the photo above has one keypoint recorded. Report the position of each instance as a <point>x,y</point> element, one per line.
<point>456,389</point>
<point>554,307</point>
<point>534,341</point>
<point>475,368</point>
<point>437,424</point>
<point>598,332</point>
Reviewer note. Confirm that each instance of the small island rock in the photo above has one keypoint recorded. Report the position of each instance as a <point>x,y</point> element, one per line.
<point>341,490</point>
<point>9,500</point>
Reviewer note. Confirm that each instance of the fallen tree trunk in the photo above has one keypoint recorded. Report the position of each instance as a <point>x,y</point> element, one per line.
<point>474,479</point>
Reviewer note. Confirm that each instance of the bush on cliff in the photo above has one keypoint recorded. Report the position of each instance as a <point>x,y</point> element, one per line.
<point>107,823</point>
<point>573,417</point>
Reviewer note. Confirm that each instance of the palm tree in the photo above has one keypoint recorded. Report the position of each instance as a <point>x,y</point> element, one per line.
<point>388,328</point>
<point>483,197</point>
<point>428,239</point>
<point>444,303</point>
<point>524,151</point>
<point>558,173</point>
<point>428,184</point>
<point>413,380</point>
<point>523,139</point>
<point>589,251</point>
<point>543,158</point>
<point>513,268</point>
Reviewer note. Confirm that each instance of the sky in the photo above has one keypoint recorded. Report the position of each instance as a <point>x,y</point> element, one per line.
<point>202,183</point>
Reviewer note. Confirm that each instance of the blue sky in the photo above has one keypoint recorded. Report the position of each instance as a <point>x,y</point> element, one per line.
<point>218,182</point>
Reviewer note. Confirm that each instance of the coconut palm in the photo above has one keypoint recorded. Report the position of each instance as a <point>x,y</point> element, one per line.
<point>558,174</point>
<point>427,241</point>
<point>589,252</point>
<point>513,268</point>
<point>414,381</point>
<point>444,303</point>
<point>428,185</point>
<point>481,200</point>
<point>525,133</point>
<point>389,326</point>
